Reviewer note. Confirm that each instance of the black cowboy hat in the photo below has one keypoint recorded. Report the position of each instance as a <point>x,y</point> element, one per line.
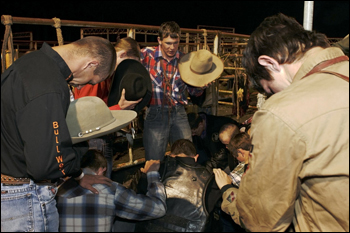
<point>135,79</point>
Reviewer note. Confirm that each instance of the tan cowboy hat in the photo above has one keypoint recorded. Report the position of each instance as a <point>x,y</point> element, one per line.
<point>135,79</point>
<point>89,117</point>
<point>200,67</point>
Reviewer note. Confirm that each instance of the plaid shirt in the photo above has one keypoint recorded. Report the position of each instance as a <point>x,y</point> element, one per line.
<point>166,75</point>
<point>236,174</point>
<point>82,211</point>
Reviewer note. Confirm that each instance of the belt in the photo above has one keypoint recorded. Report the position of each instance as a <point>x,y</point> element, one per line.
<point>13,181</point>
<point>9,180</point>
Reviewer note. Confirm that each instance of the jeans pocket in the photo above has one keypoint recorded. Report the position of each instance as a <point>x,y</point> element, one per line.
<point>151,114</point>
<point>17,212</point>
<point>50,213</point>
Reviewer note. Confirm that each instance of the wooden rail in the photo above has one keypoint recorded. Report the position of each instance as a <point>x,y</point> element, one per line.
<point>217,40</point>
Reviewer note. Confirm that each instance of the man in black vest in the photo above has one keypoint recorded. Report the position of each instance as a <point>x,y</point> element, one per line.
<point>191,193</point>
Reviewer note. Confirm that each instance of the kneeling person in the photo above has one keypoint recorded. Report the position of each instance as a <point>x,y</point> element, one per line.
<point>191,196</point>
<point>82,211</point>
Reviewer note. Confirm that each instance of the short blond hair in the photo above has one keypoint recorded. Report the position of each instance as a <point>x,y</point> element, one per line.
<point>100,49</point>
<point>130,46</point>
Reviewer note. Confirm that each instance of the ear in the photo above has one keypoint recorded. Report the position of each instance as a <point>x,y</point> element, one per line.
<point>92,64</point>
<point>201,123</point>
<point>101,171</point>
<point>123,54</point>
<point>196,157</point>
<point>269,63</point>
<point>159,40</point>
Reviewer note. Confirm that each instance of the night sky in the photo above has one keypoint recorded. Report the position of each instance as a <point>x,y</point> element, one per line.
<point>330,17</point>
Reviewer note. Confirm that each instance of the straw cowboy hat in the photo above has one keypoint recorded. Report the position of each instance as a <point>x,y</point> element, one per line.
<point>200,67</point>
<point>135,79</point>
<point>89,117</point>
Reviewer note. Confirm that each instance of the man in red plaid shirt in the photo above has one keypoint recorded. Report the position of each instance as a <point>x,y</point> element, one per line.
<point>166,118</point>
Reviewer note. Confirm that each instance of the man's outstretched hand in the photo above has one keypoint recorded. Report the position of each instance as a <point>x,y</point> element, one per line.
<point>221,178</point>
<point>151,165</point>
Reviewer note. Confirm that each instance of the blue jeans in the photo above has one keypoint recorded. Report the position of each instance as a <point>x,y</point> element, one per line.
<point>29,207</point>
<point>227,223</point>
<point>159,129</point>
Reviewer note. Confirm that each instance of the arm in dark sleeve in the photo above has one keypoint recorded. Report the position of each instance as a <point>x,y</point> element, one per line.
<point>47,143</point>
<point>195,91</point>
<point>130,205</point>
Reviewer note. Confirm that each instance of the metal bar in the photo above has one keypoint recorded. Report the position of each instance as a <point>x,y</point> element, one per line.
<point>223,91</point>
<point>215,86</point>
<point>228,76</point>
<point>225,103</point>
<point>235,44</point>
<point>234,68</point>
<point>224,79</point>
<point>234,55</point>
<point>77,23</point>
<point>308,15</point>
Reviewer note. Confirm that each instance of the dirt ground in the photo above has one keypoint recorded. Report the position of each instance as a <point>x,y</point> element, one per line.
<point>126,155</point>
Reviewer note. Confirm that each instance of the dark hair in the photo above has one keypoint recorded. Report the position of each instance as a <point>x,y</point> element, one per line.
<point>194,119</point>
<point>282,38</point>
<point>93,159</point>
<point>241,141</point>
<point>184,146</point>
<point>101,49</point>
<point>130,46</point>
<point>169,28</point>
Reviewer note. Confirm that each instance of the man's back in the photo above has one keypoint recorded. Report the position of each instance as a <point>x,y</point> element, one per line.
<point>308,168</point>
<point>31,102</point>
<point>82,211</point>
<point>185,183</point>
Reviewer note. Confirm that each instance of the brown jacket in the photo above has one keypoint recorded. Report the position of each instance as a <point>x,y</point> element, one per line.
<point>299,169</point>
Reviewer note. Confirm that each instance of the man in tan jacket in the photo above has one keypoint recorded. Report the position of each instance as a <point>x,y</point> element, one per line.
<point>298,174</point>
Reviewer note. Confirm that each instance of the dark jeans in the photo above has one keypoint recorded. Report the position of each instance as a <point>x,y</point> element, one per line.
<point>105,146</point>
<point>160,129</point>
<point>228,225</point>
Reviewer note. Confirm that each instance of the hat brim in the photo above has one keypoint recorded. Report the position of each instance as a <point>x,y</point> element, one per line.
<point>199,80</point>
<point>129,65</point>
<point>122,119</point>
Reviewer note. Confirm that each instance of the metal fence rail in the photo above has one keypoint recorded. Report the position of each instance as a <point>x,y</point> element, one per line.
<point>227,45</point>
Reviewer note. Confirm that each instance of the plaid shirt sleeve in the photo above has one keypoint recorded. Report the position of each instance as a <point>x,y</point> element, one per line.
<point>236,174</point>
<point>130,205</point>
